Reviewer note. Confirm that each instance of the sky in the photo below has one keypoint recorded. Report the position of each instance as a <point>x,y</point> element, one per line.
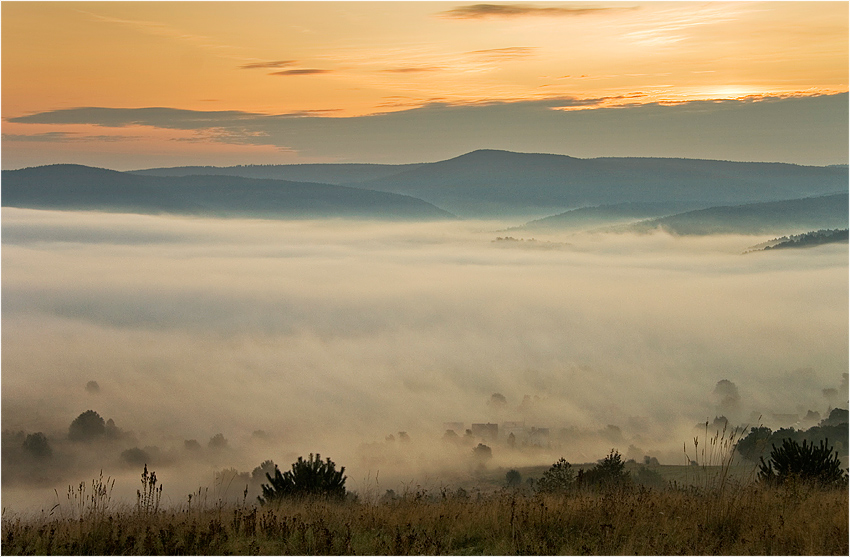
<point>136,85</point>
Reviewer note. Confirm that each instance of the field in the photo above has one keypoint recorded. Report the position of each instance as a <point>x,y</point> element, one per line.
<point>680,518</point>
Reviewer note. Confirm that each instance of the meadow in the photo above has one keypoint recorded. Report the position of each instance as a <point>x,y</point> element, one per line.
<point>676,520</point>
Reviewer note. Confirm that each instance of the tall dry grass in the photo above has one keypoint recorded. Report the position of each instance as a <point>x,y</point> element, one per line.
<point>631,520</point>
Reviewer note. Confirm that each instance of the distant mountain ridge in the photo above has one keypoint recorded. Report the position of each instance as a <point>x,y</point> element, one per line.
<point>330,173</point>
<point>492,183</point>
<point>76,187</point>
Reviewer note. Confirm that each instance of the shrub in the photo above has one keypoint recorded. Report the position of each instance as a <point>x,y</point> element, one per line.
<point>217,442</point>
<point>807,463</point>
<point>135,457</point>
<point>648,477</point>
<point>608,472</point>
<point>87,426</point>
<point>482,453</point>
<point>753,445</point>
<point>308,478</point>
<point>36,444</point>
<point>559,478</point>
<point>513,478</point>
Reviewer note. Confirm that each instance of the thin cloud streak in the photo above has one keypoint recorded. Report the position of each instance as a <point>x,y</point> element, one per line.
<point>304,71</point>
<point>483,11</point>
<point>274,64</point>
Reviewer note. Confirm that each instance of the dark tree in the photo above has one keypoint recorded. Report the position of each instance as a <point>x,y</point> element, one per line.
<point>217,442</point>
<point>308,478</point>
<point>753,446</point>
<point>837,416</point>
<point>498,401</point>
<point>87,427</point>
<point>559,478</point>
<point>482,453</point>
<point>805,463</point>
<point>608,472</point>
<point>135,457</point>
<point>513,478</point>
<point>259,473</point>
<point>191,445</point>
<point>36,444</point>
<point>726,396</point>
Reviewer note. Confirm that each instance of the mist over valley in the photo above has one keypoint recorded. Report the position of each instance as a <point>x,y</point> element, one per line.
<point>219,343</point>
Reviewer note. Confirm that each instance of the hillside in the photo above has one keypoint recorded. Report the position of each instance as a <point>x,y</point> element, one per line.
<point>806,240</point>
<point>485,183</point>
<point>795,215</point>
<point>488,183</point>
<point>334,173</point>
<point>602,215</point>
<point>75,187</point>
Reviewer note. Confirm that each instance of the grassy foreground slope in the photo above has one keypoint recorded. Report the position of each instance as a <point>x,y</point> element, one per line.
<point>747,521</point>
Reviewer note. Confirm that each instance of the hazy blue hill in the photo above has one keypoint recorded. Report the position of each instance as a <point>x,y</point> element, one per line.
<point>603,215</point>
<point>334,173</point>
<point>69,187</point>
<point>488,182</point>
<point>812,213</point>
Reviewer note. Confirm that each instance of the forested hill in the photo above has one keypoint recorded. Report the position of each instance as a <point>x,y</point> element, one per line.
<point>335,173</point>
<point>75,187</point>
<point>789,216</point>
<point>808,239</point>
<point>488,183</point>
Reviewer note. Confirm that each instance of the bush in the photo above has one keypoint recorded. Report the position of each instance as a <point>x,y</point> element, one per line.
<point>559,478</point>
<point>648,477</point>
<point>609,472</point>
<point>754,444</point>
<point>87,427</point>
<point>513,478</point>
<point>308,478</point>
<point>36,444</point>
<point>794,462</point>
<point>135,457</point>
<point>482,453</point>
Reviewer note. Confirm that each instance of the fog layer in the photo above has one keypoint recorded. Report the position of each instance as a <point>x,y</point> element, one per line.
<point>331,335</point>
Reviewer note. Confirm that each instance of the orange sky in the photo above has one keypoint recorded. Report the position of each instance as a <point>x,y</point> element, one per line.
<point>346,59</point>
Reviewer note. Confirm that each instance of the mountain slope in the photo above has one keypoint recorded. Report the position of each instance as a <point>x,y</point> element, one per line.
<point>333,173</point>
<point>812,213</point>
<point>486,183</point>
<point>70,187</point>
<point>603,215</point>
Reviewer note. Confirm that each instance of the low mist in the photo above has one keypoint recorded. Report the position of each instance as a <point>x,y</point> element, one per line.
<point>297,337</point>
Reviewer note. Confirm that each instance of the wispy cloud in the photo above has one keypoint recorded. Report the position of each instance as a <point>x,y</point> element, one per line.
<point>482,11</point>
<point>625,125</point>
<point>414,69</point>
<point>64,137</point>
<point>304,71</point>
<point>273,64</point>
<point>503,54</point>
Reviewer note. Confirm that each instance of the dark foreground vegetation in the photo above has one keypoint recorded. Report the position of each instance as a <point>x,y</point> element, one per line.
<point>600,510</point>
<point>751,521</point>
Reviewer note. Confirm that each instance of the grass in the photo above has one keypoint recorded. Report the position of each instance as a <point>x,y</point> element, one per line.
<point>750,520</point>
<point>711,507</point>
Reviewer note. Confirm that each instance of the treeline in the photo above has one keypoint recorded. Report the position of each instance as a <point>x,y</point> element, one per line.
<point>816,238</point>
<point>760,440</point>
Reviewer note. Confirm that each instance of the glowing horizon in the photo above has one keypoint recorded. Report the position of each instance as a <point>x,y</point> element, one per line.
<point>370,59</point>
